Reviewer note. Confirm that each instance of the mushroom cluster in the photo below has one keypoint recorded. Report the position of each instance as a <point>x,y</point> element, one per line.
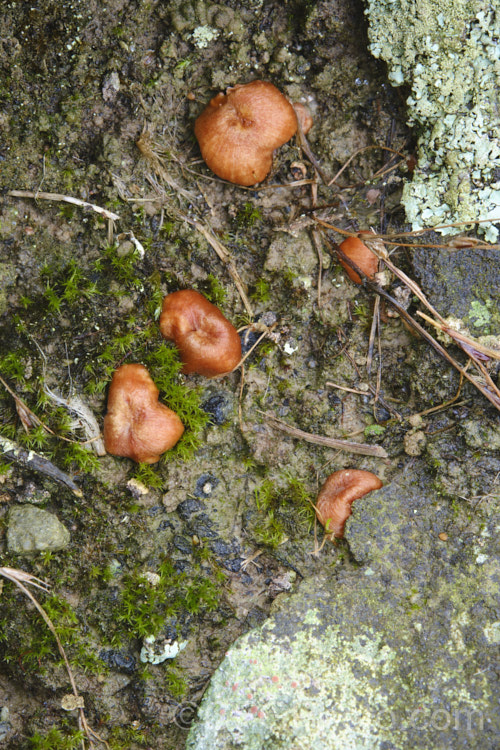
<point>136,424</point>
<point>239,130</point>
<point>341,489</point>
<point>207,342</point>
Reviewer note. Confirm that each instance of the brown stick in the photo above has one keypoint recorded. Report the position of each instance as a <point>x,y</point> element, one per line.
<point>343,445</point>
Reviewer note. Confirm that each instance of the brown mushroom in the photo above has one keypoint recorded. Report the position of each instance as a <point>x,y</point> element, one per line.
<point>361,255</point>
<point>333,506</point>
<point>239,130</point>
<point>207,342</point>
<point>136,424</point>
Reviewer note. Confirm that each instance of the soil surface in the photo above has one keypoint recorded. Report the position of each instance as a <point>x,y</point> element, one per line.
<point>166,565</point>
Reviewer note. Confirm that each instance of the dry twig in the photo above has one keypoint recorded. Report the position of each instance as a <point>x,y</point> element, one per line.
<point>14,452</point>
<point>67,199</point>
<point>362,449</point>
<point>490,391</point>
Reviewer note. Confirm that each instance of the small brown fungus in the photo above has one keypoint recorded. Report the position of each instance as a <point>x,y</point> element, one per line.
<point>239,130</point>
<point>361,255</point>
<point>207,342</point>
<point>136,424</point>
<point>341,489</point>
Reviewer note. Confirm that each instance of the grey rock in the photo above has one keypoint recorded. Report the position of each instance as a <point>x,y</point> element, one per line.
<point>397,653</point>
<point>34,530</point>
<point>463,283</point>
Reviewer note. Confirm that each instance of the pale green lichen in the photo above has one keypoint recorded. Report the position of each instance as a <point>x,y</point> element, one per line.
<point>480,314</point>
<point>448,53</point>
<point>203,35</point>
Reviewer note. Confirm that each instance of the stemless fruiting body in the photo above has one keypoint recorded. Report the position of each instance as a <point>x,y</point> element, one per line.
<point>361,255</point>
<point>137,425</point>
<point>340,490</point>
<point>207,342</point>
<point>239,130</point>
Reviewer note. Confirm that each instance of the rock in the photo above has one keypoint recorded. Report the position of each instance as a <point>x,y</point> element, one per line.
<point>398,653</point>
<point>296,255</point>
<point>463,283</point>
<point>34,530</point>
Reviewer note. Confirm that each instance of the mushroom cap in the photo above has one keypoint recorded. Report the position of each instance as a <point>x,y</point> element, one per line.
<point>340,490</point>
<point>137,425</point>
<point>239,130</point>
<point>207,342</point>
<point>361,255</point>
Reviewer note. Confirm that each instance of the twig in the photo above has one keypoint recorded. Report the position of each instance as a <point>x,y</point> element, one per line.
<point>344,445</point>
<point>491,392</point>
<point>373,332</point>
<point>255,345</point>
<point>67,199</point>
<point>360,151</point>
<point>304,145</point>
<point>13,452</point>
<point>460,338</point>
<point>219,248</point>
<point>345,388</point>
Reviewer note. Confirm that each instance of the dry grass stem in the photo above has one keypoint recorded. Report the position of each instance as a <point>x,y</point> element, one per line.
<point>344,445</point>
<point>255,345</point>
<point>19,578</point>
<point>345,388</point>
<point>66,198</point>
<point>460,338</point>
<point>360,151</point>
<point>490,390</point>
<point>223,254</point>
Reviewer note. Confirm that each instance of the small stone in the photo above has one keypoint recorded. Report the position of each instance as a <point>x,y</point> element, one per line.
<point>443,536</point>
<point>34,530</point>
<point>69,702</point>
<point>414,443</point>
<point>137,488</point>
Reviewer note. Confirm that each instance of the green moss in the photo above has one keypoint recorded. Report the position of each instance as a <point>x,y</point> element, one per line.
<point>262,291</point>
<point>175,682</point>
<point>284,511</point>
<point>248,216</point>
<point>143,608</point>
<point>214,291</point>
<point>29,643</point>
<point>56,740</point>
<point>374,430</point>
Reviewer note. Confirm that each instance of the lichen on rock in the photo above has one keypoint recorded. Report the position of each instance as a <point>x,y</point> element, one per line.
<point>448,53</point>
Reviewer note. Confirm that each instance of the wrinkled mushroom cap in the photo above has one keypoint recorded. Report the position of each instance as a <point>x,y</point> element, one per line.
<point>207,342</point>
<point>340,490</point>
<point>238,131</point>
<point>361,255</point>
<point>136,424</point>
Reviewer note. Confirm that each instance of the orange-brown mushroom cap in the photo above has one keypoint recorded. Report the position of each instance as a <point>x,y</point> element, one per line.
<point>341,489</point>
<point>137,425</point>
<point>207,342</point>
<point>361,255</point>
<point>239,130</point>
